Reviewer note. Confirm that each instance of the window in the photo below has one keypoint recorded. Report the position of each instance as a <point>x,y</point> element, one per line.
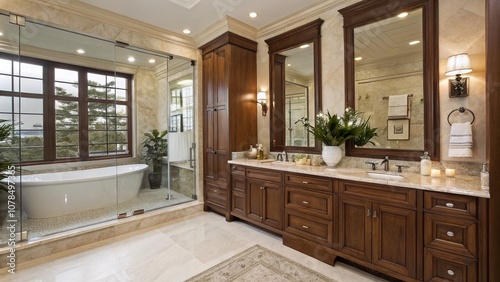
<point>181,107</point>
<point>64,112</point>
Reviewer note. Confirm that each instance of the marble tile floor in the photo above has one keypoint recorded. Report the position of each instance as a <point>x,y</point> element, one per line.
<point>172,251</point>
<point>148,199</point>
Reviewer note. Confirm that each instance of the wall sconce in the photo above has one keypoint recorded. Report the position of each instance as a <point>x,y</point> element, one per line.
<point>261,99</point>
<point>457,65</point>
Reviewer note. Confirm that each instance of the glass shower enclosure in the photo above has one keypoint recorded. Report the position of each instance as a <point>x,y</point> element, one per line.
<point>78,108</point>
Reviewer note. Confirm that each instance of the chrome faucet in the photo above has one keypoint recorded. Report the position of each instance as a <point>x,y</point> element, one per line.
<point>385,162</point>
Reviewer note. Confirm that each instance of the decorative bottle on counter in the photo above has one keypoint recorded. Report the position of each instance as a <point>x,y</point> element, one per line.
<point>425,164</point>
<point>485,179</point>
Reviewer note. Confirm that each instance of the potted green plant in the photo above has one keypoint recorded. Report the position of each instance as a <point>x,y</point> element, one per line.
<point>334,130</point>
<point>5,165</point>
<point>154,149</point>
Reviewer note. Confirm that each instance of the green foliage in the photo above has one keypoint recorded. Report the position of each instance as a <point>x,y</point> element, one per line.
<point>5,165</point>
<point>155,148</point>
<point>366,135</point>
<point>335,130</point>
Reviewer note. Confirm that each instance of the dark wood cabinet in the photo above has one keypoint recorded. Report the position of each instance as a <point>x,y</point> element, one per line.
<point>378,225</point>
<point>309,215</point>
<point>409,234</point>
<point>229,96</point>
<point>264,202</point>
<point>451,246</point>
<point>257,196</point>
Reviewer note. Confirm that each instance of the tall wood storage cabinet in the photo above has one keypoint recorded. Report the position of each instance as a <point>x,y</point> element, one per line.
<point>229,112</point>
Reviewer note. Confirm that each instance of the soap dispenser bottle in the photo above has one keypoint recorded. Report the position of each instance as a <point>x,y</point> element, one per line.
<point>425,164</point>
<point>485,179</point>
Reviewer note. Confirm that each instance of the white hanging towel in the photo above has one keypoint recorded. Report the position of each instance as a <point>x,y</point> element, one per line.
<point>399,107</point>
<point>460,145</point>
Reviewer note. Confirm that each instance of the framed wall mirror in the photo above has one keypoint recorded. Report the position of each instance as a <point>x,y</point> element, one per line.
<point>295,87</point>
<point>391,75</point>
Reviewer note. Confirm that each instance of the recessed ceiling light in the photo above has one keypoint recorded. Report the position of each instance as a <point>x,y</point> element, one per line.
<point>402,15</point>
<point>253,14</point>
<point>358,58</point>
<point>80,51</point>
<point>289,65</point>
<point>152,61</point>
<point>304,46</point>
<point>414,42</point>
<point>186,31</point>
<point>1,33</point>
<point>131,59</point>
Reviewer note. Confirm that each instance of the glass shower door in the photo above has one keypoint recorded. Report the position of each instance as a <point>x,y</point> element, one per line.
<point>10,186</point>
<point>65,83</point>
<point>181,136</point>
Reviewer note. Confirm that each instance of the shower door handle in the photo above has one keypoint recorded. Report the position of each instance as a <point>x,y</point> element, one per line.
<point>191,154</point>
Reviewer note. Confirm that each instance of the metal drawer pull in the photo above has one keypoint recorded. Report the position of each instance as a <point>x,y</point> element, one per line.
<point>261,188</point>
<point>305,226</point>
<point>450,234</point>
<point>374,213</point>
<point>451,272</point>
<point>216,191</point>
<point>369,213</point>
<point>305,202</point>
<point>450,205</point>
<point>305,182</point>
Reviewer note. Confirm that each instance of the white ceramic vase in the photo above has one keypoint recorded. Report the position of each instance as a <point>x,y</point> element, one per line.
<point>331,155</point>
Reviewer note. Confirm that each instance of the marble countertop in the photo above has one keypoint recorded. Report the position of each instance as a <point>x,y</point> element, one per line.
<point>460,184</point>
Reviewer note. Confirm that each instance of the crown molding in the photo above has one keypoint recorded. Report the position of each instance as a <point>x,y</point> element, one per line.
<point>97,14</point>
<point>223,25</point>
<point>301,17</point>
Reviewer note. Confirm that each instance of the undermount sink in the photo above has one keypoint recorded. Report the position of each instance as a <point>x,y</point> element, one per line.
<point>282,163</point>
<point>385,175</point>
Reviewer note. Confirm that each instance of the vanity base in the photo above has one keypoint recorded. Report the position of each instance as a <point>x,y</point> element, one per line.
<point>316,251</point>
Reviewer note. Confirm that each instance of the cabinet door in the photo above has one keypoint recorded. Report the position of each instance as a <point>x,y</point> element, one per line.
<point>255,190</point>
<point>273,205</point>
<point>394,239</point>
<point>221,74</point>
<point>355,225</point>
<point>238,195</point>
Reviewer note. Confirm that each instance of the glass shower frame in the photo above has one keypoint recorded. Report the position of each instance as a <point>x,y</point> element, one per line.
<point>24,38</point>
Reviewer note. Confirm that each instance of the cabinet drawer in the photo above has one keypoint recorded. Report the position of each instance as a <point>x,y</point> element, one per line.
<point>313,229</point>
<point>442,266</point>
<point>263,174</point>
<point>216,195</point>
<point>457,235</point>
<point>238,184</point>
<point>313,203</point>
<point>237,170</point>
<point>311,182</point>
<point>450,204</point>
<point>383,194</point>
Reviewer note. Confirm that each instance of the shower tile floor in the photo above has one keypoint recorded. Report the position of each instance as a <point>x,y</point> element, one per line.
<point>148,199</point>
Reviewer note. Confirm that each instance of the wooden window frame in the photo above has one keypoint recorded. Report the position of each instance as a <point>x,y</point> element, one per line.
<point>49,98</point>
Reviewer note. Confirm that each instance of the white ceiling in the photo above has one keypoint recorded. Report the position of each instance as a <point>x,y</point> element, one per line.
<point>197,15</point>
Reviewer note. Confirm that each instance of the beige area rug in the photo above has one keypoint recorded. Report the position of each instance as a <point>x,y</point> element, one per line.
<point>259,264</point>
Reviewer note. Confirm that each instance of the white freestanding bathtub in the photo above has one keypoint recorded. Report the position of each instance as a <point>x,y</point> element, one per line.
<point>55,194</point>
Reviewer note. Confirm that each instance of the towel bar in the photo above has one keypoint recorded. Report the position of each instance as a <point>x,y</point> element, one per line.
<point>462,110</point>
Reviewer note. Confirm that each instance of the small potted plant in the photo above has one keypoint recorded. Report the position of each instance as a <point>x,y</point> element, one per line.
<point>334,131</point>
<point>154,149</point>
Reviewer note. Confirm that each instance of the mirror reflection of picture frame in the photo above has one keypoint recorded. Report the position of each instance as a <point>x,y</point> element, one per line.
<point>398,129</point>
<point>176,123</point>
